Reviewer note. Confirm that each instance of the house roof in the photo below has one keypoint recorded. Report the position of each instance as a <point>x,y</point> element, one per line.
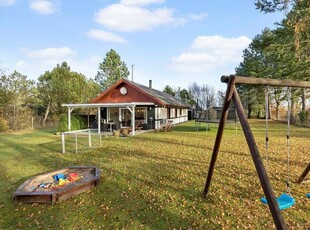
<point>156,96</point>
<point>166,98</point>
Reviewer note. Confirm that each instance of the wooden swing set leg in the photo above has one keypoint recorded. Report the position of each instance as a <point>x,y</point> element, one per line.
<point>232,93</point>
<point>227,100</point>
<point>304,174</point>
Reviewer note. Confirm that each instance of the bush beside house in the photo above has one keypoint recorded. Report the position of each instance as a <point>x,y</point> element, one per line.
<point>77,123</point>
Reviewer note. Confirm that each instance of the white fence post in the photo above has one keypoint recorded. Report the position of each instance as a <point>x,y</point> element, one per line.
<point>75,133</point>
<point>89,138</point>
<point>75,142</point>
<point>63,142</point>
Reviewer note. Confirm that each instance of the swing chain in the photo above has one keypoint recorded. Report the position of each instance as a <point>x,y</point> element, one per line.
<point>288,188</point>
<point>266,110</point>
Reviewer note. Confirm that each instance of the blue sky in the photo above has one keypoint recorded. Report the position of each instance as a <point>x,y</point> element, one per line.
<point>172,42</point>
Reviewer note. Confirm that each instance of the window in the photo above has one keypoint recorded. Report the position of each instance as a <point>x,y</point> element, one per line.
<point>113,114</point>
<point>141,114</point>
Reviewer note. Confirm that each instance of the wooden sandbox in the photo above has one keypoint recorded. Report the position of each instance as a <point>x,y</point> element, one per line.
<point>31,192</point>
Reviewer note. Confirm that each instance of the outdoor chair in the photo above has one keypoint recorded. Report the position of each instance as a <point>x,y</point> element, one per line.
<point>138,126</point>
<point>165,128</point>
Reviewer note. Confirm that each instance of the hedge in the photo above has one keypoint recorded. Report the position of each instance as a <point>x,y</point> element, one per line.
<point>77,123</point>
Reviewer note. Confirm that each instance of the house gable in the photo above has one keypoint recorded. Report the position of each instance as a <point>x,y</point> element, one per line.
<point>134,94</point>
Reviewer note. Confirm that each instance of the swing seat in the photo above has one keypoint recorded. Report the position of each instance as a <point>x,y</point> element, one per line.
<point>284,201</point>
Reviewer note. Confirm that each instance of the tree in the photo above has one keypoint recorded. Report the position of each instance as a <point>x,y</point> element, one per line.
<point>255,63</point>
<point>204,95</point>
<point>111,70</point>
<point>220,97</point>
<point>294,46</point>
<point>187,97</point>
<point>16,92</point>
<point>61,85</point>
<point>168,89</point>
<point>270,6</point>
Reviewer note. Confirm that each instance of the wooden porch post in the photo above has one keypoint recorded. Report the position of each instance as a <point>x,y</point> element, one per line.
<point>133,120</point>
<point>99,120</point>
<point>69,118</point>
<point>133,111</point>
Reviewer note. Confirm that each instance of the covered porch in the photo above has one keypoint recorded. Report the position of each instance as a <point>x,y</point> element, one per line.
<point>119,116</point>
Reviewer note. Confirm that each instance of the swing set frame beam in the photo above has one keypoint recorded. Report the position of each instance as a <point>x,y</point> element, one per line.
<point>232,95</point>
<point>304,174</point>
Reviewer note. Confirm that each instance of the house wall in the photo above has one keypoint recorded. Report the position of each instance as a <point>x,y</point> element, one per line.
<point>114,96</point>
<point>151,123</point>
<point>176,115</point>
<point>156,116</point>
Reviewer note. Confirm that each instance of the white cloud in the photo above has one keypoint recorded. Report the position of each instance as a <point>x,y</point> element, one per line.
<point>105,36</point>
<point>44,6</point>
<point>220,43</point>
<point>141,2</point>
<point>207,53</point>
<point>36,62</point>
<point>88,66</point>
<point>197,17</point>
<point>132,18</point>
<point>22,63</point>
<point>7,2</point>
<point>33,68</point>
<point>49,53</point>
<point>135,16</point>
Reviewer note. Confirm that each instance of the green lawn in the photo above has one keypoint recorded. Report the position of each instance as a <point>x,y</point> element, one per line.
<point>155,180</point>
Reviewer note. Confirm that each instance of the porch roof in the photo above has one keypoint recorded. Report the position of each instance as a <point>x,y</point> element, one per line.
<point>111,105</point>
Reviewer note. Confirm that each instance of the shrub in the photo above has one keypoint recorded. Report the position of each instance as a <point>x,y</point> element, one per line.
<point>304,117</point>
<point>82,122</point>
<point>77,122</point>
<point>3,124</point>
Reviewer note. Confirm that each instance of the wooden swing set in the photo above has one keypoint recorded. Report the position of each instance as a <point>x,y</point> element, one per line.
<point>232,95</point>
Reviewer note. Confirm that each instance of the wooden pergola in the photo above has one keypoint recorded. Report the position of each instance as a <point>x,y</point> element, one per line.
<point>232,95</point>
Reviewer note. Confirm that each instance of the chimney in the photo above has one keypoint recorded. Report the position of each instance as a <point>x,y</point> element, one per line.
<point>150,84</point>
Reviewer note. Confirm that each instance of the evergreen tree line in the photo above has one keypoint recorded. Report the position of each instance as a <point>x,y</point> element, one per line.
<point>281,53</point>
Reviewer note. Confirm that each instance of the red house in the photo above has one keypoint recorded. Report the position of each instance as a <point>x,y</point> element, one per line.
<point>127,103</point>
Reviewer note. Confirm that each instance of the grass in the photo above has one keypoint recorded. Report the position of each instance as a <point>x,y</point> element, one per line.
<point>155,180</point>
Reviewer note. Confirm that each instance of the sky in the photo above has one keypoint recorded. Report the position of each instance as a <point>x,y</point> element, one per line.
<point>171,42</point>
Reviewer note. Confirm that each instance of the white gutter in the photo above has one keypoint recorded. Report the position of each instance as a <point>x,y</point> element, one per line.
<point>94,105</point>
